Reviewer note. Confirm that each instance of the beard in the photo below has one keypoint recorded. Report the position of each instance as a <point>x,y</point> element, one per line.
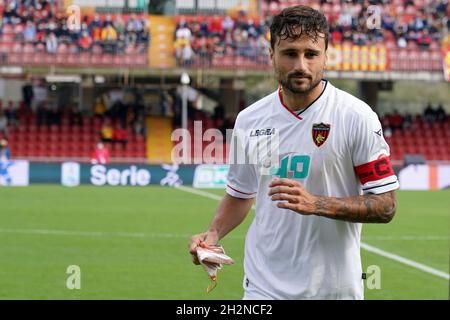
<point>291,82</point>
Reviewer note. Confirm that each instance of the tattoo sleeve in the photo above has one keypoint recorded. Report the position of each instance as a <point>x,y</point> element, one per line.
<point>370,208</point>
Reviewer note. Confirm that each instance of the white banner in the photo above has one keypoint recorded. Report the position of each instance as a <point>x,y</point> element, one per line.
<point>70,174</point>
<point>424,177</point>
<point>210,176</point>
<point>14,173</point>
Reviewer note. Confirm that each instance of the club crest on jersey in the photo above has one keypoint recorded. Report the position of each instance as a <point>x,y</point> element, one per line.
<point>320,132</point>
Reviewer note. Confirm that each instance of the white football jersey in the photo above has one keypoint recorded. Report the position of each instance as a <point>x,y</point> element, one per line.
<point>334,147</point>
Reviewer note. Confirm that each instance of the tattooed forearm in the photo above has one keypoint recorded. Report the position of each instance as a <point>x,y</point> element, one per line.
<point>376,208</point>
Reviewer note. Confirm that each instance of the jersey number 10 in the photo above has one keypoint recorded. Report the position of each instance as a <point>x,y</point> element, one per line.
<point>292,166</point>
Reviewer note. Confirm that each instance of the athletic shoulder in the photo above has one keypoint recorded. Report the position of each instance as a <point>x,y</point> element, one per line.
<point>257,109</point>
<point>352,105</point>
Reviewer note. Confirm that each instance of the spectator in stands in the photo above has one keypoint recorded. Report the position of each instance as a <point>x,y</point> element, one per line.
<point>109,39</point>
<point>216,27</point>
<point>429,114</point>
<point>11,113</point>
<point>85,42</point>
<point>27,94</point>
<point>396,121</point>
<point>95,28</point>
<point>227,24</point>
<point>139,126</point>
<point>183,32</point>
<point>166,104</point>
<point>106,132</point>
<point>100,155</point>
<point>3,123</point>
<point>120,135</point>
<point>424,39</point>
<point>184,53</point>
<point>51,43</point>
<point>5,153</point>
<point>5,156</point>
<point>29,34</point>
<point>441,116</point>
<point>99,108</point>
<point>407,121</point>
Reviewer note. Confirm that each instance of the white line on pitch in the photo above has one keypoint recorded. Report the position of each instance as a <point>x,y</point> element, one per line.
<point>78,233</point>
<point>408,262</point>
<point>364,246</point>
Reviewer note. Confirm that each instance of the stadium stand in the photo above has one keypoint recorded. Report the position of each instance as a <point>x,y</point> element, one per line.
<point>61,140</point>
<point>38,34</point>
<point>430,139</point>
<point>409,30</point>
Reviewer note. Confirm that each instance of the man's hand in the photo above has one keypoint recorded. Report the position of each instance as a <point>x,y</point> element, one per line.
<point>292,195</point>
<point>210,238</point>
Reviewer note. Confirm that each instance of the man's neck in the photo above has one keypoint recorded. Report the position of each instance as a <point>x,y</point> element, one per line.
<point>299,101</point>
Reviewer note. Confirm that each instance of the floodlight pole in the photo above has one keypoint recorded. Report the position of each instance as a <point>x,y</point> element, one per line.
<point>184,115</point>
<point>185,80</point>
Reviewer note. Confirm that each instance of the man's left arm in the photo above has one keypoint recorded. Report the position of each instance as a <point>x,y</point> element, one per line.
<point>368,208</point>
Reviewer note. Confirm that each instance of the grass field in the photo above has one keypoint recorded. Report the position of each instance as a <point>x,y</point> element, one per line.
<point>131,243</point>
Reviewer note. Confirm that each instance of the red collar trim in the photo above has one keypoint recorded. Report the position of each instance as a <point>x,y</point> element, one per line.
<point>285,106</point>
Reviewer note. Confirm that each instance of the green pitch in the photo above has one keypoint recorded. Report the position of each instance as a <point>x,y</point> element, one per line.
<point>131,243</point>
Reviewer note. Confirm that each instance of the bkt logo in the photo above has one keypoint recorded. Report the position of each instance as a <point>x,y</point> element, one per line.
<point>100,176</point>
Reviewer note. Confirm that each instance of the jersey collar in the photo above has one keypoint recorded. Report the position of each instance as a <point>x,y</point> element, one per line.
<point>297,115</point>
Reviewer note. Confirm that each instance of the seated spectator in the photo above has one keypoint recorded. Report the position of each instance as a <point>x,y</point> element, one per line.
<point>100,155</point>
<point>396,121</point>
<point>429,114</point>
<point>120,135</point>
<point>424,39</point>
<point>407,121</point>
<point>85,42</point>
<point>29,34</point>
<point>51,43</point>
<point>106,132</point>
<point>109,39</point>
<point>183,31</point>
<point>183,52</point>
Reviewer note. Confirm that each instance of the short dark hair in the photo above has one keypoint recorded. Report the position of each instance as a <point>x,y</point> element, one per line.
<point>293,22</point>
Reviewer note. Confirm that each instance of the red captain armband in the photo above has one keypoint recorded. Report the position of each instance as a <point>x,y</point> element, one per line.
<point>375,170</point>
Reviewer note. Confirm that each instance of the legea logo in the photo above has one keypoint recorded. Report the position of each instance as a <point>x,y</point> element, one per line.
<point>133,176</point>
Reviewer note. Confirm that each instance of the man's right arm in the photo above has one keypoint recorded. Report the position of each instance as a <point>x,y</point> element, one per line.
<point>230,213</point>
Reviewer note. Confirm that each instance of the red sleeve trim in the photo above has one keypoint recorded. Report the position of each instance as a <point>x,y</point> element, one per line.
<point>239,191</point>
<point>375,170</point>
